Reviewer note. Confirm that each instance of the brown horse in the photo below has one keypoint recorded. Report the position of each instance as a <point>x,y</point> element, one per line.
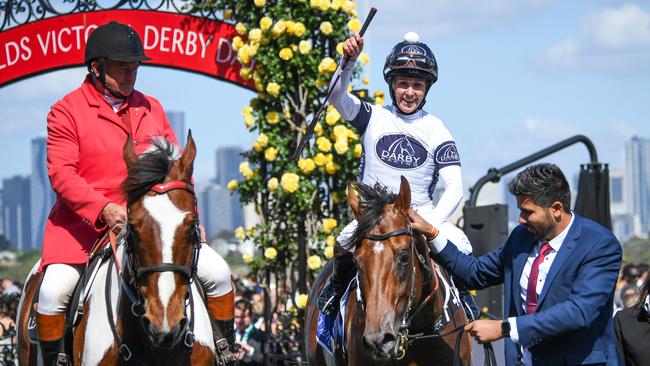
<point>402,314</point>
<point>143,306</point>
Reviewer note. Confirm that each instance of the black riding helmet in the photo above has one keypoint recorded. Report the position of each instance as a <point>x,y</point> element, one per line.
<point>113,41</point>
<point>411,58</point>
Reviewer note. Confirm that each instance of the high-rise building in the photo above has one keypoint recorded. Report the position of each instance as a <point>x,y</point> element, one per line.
<point>637,172</point>
<point>228,160</point>
<point>2,221</point>
<point>217,210</point>
<point>16,211</point>
<point>42,195</point>
<point>617,192</point>
<point>177,121</point>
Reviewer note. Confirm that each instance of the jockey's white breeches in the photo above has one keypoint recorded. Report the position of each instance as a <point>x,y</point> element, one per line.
<point>455,235</point>
<point>60,279</point>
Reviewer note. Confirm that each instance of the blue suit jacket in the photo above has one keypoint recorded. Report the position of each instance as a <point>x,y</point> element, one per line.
<point>573,322</point>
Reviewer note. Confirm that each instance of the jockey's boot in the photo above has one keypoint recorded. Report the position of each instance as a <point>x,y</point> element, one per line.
<point>471,309</point>
<point>222,316</point>
<point>330,295</point>
<point>50,334</point>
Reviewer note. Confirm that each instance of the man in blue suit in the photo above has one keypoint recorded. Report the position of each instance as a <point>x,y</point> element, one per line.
<point>559,271</point>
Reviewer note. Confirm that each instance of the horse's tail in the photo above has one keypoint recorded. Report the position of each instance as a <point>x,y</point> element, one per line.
<point>311,317</point>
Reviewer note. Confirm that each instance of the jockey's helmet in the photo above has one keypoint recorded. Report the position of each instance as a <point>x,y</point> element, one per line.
<point>411,58</point>
<point>114,41</point>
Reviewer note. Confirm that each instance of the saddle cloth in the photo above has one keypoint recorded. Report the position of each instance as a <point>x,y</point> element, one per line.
<point>330,331</point>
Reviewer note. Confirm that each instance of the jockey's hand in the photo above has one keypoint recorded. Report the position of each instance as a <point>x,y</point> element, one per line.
<point>485,331</point>
<point>422,226</point>
<point>352,47</point>
<point>114,214</point>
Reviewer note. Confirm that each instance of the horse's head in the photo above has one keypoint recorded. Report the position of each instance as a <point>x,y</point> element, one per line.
<point>389,276</point>
<point>163,240</point>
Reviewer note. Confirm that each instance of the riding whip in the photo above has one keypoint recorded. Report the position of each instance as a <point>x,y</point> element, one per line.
<point>312,125</point>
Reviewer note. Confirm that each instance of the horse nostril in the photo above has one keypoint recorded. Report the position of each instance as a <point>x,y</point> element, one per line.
<point>388,343</point>
<point>382,342</point>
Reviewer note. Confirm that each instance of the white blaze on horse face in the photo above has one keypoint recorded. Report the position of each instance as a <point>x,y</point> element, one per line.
<point>169,218</point>
<point>378,248</point>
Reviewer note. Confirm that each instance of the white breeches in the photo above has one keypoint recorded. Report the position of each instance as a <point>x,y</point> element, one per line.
<point>455,235</point>
<point>60,279</point>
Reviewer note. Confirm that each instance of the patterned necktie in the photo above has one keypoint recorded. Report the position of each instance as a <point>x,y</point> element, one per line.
<point>531,291</point>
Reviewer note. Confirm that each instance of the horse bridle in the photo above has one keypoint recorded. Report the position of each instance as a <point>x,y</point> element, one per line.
<point>138,309</point>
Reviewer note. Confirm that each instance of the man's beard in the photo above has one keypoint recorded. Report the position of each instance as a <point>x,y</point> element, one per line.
<point>541,231</point>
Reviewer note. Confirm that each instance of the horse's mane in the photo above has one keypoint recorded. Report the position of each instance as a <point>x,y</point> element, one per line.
<point>372,203</point>
<point>150,169</point>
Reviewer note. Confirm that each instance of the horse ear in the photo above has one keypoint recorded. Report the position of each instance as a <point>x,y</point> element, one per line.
<point>187,159</point>
<point>129,154</point>
<point>403,200</point>
<point>353,200</point>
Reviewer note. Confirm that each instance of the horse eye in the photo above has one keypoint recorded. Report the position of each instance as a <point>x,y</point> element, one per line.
<point>404,258</point>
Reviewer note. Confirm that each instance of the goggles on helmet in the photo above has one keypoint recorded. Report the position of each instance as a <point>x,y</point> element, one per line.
<point>405,61</point>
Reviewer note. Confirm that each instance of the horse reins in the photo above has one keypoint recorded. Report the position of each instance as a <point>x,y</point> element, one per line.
<point>404,339</point>
<point>137,307</point>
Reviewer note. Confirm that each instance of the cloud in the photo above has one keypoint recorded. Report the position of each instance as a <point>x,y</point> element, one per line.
<point>615,41</point>
<point>442,18</point>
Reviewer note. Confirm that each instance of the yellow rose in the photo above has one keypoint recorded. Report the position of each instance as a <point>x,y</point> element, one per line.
<point>255,35</point>
<point>332,117</point>
<point>306,165</point>
<point>301,300</point>
<point>326,28</point>
<point>320,159</point>
<point>262,139</point>
<point>314,3</point>
<point>240,28</point>
<point>349,6</point>
<point>237,43</point>
<point>273,89</point>
<point>248,120</point>
<point>290,182</point>
<point>304,47</point>
<point>379,94</point>
<point>327,65</point>
<point>379,101</point>
<point>340,132</point>
<point>339,48</point>
<point>252,49</point>
<point>299,29</point>
<point>318,129</point>
<point>270,154</point>
<point>245,170</point>
<point>341,146</point>
<point>287,112</point>
<point>266,23</point>
<point>323,144</point>
<point>286,54</point>
<point>239,233</point>
<point>328,252</point>
<point>358,149</point>
<point>320,83</point>
<point>243,55</point>
<point>227,14</point>
<point>245,73</point>
<point>337,4</point>
<point>232,185</point>
<point>278,28</point>
<point>259,3</point>
<point>257,147</point>
<point>247,111</point>
<point>272,184</point>
<point>328,224</point>
<point>273,117</point>
<point>330,241</point>
<point>314,262</point>
<point>247,258</point>
<point>363,58</point>
<point>324,5</point>
<point>354,25</point>
<point>366,81</point>
<point>289,24</point>
<point>331,168</point>
<point>270,253</point>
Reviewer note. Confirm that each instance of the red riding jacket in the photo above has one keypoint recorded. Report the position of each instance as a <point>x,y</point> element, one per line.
<point>85,138</point>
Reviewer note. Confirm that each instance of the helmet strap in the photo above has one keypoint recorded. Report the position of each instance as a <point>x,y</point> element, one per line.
<point>102,79</point>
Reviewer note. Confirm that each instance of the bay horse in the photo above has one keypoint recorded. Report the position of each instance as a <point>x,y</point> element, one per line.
<point>401,313</point>
<point>142,305</point>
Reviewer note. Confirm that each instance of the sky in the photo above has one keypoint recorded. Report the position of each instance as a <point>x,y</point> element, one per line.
<point>515,76</point>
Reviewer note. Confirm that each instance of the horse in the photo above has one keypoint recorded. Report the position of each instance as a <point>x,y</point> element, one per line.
<point>402,313</point>
<point>142,304</point>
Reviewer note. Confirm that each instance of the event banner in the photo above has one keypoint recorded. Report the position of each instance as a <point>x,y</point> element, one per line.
<point>171,40</point>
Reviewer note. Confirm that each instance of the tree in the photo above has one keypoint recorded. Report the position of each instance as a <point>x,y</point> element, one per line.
<point>288,48</point>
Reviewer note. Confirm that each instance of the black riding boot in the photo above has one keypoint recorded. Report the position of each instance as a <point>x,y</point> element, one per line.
<point>224,337</point>
<point>52,354</point>
<point>330,296</point>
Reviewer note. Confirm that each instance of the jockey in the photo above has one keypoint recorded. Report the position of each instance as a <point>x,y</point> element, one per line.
<point>399,139</point>
<point>86,133</point>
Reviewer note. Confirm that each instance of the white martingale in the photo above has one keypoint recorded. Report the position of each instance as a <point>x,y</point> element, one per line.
<point>202,325</point>
<point>378,247</point>
<point>169,218</point>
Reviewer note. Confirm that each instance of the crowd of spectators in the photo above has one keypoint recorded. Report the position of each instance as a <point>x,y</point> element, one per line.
<point>9,298</point>
<point>632,318</point>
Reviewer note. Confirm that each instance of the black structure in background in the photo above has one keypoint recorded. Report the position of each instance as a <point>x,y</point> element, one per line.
<point>487,226</point>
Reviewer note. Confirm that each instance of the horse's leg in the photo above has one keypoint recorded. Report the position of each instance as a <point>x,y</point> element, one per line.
<point>27,352</point>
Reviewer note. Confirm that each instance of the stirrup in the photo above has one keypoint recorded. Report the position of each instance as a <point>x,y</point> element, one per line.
<point>330,307</point>
<point>62,359</point>
<point>224,355</point>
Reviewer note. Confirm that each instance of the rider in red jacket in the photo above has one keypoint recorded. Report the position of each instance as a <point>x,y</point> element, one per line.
<point>86,134</point>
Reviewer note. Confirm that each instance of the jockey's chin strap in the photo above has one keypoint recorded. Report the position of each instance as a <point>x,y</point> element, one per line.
<point>132,291</point>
